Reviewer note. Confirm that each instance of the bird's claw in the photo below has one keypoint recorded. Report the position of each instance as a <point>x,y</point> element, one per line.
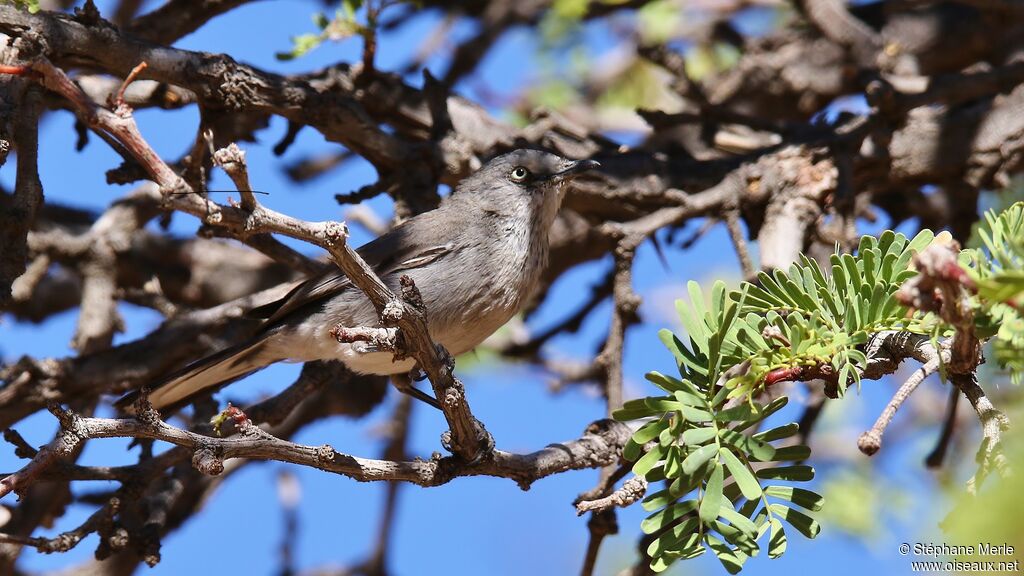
<point>486,441</point>
<point>446,358</point>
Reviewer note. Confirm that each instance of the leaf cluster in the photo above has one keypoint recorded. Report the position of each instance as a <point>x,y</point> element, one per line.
<point>725,488</point>
<point>805,322</point>
<point>32,6</point>
<point>343,25</point>
<point>722,487</point>
<point>720,492</point>
<point>997,268</point>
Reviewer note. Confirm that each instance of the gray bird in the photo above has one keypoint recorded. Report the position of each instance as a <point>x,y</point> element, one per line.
<point>475,260</point>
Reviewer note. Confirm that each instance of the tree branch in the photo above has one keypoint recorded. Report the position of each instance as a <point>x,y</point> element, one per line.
<point>600,445</point>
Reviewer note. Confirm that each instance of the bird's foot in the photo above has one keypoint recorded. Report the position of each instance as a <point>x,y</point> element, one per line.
<point>446,358</point>
<point>485,442</point>
<point>405,386</point>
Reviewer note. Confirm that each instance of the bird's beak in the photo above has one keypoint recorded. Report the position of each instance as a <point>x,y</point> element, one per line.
<point>575,169</point>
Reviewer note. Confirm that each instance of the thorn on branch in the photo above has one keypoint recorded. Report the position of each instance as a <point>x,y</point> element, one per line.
<point>118,101</point>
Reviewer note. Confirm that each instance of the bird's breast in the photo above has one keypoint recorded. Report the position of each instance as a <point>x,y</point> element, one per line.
<point>487,286</point>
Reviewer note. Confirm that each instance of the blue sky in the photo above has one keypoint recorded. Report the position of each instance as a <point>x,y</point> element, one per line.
<point>472,525</point>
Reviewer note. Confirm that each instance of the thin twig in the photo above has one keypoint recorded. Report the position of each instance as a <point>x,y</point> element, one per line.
<point>936,457</point>
<point>68,540</point>
<point>732,223</point>
<point>119,99</point>
<point>870,441</point>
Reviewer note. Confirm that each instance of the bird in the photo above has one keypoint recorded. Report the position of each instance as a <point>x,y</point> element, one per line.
<point>475,259</point>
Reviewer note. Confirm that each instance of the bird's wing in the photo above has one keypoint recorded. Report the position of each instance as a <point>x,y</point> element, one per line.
<point>386,255</point>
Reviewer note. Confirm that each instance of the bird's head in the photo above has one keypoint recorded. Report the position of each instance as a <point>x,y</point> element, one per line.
<point>536,176</point>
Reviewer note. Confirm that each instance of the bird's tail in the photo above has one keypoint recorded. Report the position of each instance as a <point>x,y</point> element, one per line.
<point>205,375</point>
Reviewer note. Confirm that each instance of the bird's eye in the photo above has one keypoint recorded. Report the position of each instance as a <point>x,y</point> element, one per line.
<point>519,174</point>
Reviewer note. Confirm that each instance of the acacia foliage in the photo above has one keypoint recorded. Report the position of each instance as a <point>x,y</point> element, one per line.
<point>725,488</point>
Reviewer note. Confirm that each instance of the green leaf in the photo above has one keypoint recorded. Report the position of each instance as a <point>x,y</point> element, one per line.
<point>869,257</point>
<point>875,306</point>
<point>711,502</point>
<point>739,521</point>
<point>691,399</point>
<point>778,433</point>
<point>632,410</point>
<point>736,537</point>
<point>631,451</point>
<point>802,522</point>
<point>301,44</point>
<point>772,407</point>
<point>698,436</point>
<point>672,462</point>
<point>742,412</point>
<point>666,383</point>
<point>648,460</point>
<point>686,483</point>
<point>695,329</point>
<point>798,473</point>
<point>646,433</point>
<point>687,361</point>
<point>748,445</point>
<point>32,6</point>
<point>791,453</point>
<point>732,561</point>
<point>777,540</point>
<point>320,20</point>
<point>799,496</point>
<point>661,519</point>
<point>750,338</point>
<point>656,474</point>
<point>696,299</point>
<point>649,431</point>
<point>661,563</point>
<point>698,458</point>
<point>663,403</point>
<point>749,486</point>
<point>718,303</point>
<point>679,537</point>
<point>923,239</point>
<point>658,500</point>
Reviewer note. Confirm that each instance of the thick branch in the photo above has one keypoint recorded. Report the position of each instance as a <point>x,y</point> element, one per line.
<point>19,215</point>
